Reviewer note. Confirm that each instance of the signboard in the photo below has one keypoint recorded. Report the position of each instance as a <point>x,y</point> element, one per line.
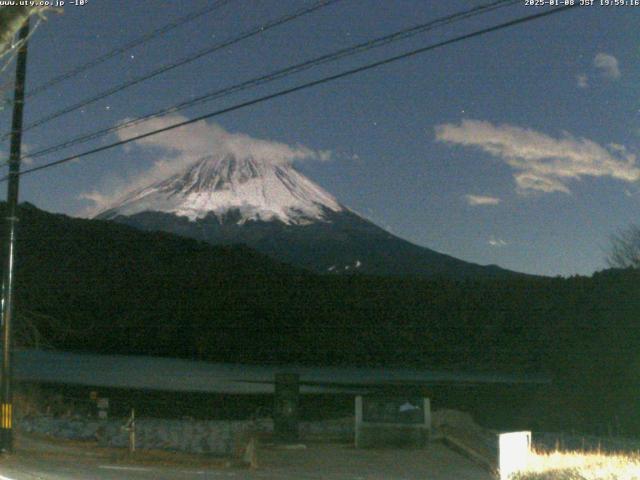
<point>383,421</point>
<point>103,407</point>
<point>393,410</point>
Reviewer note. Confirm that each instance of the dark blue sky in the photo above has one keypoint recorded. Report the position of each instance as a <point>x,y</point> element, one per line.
<point>516,148</point>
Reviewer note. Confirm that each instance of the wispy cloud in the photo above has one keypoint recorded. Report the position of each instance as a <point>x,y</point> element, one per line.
<point>179,148</point>
<point>541,162</point>
<point>608,66</point>
<point>199,139</point>
<point>582,80</point>
<point>475,200</point>
<point>497,242</point>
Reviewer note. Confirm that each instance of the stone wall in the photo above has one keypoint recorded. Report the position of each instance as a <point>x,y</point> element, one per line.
<point>214,437</point>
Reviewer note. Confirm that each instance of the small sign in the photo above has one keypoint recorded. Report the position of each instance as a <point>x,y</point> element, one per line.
<point>103,404</point>
<point>383,421</point>
<point>393,410</point>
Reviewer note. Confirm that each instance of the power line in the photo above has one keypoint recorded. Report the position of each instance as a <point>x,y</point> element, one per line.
<point>279,74</point>
<point>165,68</point>
<point>122,49</point>
<point>303,86</point>
<point>13,51</point>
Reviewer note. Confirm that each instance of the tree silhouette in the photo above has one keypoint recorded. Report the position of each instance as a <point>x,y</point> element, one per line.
<point>625,248</point>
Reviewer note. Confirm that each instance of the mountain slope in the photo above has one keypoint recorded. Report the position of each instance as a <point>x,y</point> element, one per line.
<point>274,209</point>
<point>345,243</point>
<point>103,287</point>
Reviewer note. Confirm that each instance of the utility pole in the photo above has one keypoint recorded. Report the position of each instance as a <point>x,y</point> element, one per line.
<point>6,307</point>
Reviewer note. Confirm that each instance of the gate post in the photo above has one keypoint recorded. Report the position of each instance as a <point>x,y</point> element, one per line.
<point>285,416</point>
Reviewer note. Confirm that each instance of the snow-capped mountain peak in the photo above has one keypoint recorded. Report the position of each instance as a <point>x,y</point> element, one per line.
<point>218,184</point>
<point>274,209</point>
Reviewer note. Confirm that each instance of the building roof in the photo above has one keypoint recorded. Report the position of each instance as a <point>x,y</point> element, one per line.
<point>169,374</point>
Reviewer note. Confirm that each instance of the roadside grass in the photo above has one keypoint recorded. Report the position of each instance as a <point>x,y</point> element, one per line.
<point>581,466</point>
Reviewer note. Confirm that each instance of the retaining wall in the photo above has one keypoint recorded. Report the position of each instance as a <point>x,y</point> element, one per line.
<point>214,437</point>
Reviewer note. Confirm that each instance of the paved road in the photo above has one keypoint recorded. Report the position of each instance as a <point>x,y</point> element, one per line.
<point>330,462</point>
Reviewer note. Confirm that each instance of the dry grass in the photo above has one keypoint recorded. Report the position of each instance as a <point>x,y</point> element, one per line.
<point>581,466</point>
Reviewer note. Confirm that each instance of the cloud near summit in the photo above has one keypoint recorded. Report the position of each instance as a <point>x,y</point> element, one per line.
<point>178,148</point>
<point>540,162</point>
<point>201,138</point>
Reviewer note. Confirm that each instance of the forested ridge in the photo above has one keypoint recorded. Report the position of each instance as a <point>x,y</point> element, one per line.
<point>95,286</point>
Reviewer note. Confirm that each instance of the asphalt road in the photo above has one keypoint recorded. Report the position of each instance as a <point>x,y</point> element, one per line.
<point>40,469</point>
<point>321,461</point>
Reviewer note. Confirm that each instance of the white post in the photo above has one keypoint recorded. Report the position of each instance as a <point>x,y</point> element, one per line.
<point>358,419</point>
<point>427,416</point>
<point>132,432</point>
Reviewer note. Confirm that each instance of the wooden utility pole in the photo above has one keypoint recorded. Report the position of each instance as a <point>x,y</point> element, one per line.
<point>6,307</point>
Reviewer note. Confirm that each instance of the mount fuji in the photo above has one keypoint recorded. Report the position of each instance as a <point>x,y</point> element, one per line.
<point>273,208</point>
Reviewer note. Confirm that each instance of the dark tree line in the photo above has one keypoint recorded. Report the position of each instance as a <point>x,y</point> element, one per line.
<point>99,287</point>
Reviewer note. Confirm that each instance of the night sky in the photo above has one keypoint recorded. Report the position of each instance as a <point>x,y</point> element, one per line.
<point>517,148</point>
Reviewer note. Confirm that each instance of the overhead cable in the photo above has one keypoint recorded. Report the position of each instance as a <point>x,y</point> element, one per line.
<point>279,74</point>
<point>304,86</point>
<point>180,63</point>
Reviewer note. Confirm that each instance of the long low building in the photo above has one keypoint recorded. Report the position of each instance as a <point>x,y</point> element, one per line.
<point>168,374</point>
